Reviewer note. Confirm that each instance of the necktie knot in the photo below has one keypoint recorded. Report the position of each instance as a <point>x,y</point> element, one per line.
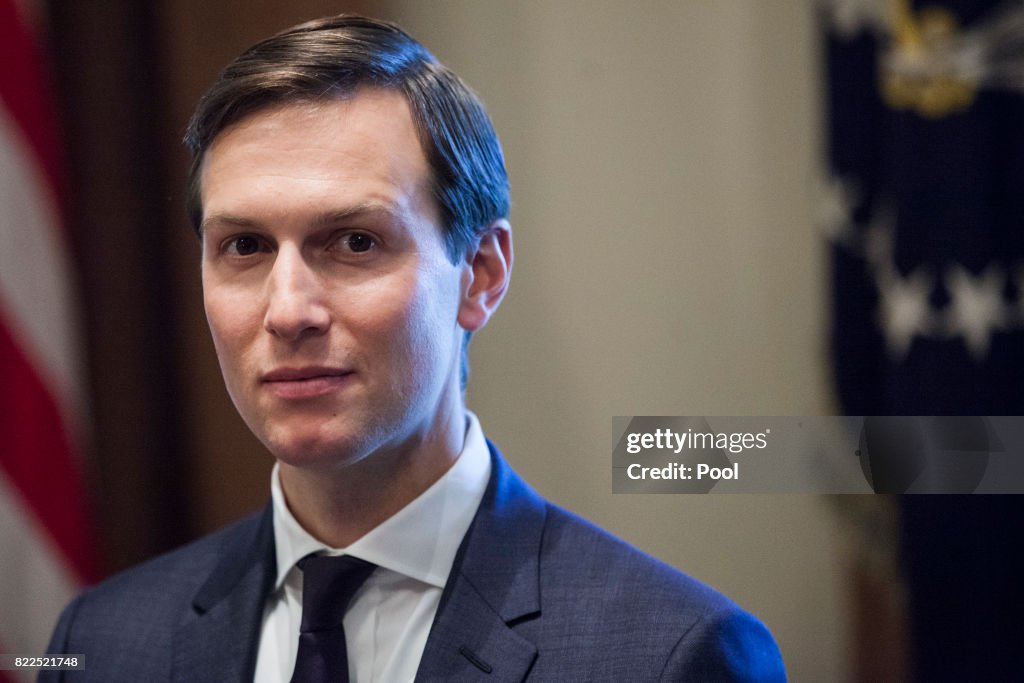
<point>328,584</point>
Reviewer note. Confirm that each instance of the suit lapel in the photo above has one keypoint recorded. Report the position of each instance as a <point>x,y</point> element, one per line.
<point>218,640</point>
<point>494,584</point>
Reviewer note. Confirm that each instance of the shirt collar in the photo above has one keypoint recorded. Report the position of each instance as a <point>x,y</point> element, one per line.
<point>418,541</point>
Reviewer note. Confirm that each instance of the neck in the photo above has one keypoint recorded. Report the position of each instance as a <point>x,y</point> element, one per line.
<point>341,506</point>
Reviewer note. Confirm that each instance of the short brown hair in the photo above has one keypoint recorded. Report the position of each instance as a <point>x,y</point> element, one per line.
<point>328,59</point>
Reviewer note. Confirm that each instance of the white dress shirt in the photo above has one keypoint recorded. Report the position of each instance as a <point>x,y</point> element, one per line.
<point>389,618</point>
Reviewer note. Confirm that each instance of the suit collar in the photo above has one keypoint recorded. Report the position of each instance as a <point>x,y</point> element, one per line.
<point>501,552</point>
<point>494,585</point>
<point>220,635</point>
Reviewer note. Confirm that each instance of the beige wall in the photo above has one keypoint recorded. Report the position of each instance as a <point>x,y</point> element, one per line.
<point>662,158</point>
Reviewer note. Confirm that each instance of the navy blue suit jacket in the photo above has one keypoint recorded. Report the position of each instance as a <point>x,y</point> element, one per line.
<point>536,594</point>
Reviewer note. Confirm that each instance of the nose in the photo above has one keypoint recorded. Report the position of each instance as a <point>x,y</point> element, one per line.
<point>296,305</point>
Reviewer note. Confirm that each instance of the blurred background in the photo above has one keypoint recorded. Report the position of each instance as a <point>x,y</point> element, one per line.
<point>746,207</point>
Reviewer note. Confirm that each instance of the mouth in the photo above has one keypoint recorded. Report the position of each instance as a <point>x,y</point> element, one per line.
<point>305,382</point>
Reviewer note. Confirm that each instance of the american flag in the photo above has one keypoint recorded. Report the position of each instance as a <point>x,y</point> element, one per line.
<point>46,552</point>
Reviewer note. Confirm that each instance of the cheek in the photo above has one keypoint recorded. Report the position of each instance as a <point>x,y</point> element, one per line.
<point>435,328</point>
<point>413,318</point>
<point>227,328</point>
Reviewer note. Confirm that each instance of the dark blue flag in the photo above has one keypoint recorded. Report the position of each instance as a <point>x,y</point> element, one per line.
<point>924,207</point>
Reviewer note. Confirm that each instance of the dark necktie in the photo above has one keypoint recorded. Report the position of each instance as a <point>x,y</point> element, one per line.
<point>328,584</point>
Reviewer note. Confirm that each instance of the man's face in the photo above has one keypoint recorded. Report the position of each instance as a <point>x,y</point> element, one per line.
<point>332,302</point>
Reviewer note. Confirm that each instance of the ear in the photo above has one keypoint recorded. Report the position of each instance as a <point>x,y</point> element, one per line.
<point>486,276</point>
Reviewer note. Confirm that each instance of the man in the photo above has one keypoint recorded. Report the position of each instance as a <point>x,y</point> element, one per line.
<point>351,200</point>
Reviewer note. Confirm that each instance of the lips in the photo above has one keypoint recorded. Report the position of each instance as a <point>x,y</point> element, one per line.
<point>305,382</point>
<point>305,373</point>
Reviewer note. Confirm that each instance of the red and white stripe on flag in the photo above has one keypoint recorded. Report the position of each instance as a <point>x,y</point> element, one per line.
<point>47,553</point>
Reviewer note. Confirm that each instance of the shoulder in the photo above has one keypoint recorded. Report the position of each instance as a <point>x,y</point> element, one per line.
<point>646,614</point>
<point>578,548</point>
<point>177,574</point>
<point>141,607</point>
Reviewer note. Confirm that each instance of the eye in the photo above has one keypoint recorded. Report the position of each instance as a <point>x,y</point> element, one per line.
<point>358,242</point>
<point>243,245</point>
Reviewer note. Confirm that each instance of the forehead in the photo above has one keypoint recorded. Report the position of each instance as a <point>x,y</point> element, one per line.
<point>365,144</point>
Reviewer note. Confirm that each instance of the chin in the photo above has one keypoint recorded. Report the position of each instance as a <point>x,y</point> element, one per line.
<point>315,451</point>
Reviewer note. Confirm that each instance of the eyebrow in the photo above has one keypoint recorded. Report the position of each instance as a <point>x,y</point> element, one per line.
<point>325,219</point>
